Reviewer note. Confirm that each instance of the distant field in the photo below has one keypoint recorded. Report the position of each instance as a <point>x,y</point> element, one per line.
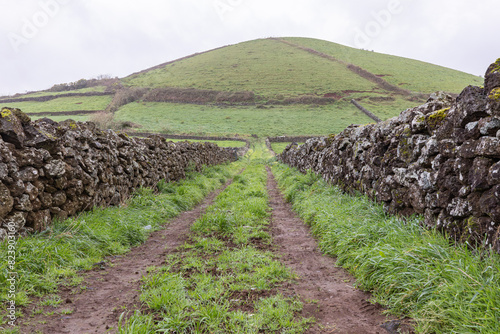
<point>64,104</point>
<point>99,89</point>
<point>266,67</point>
<point>407,73</point>
<point>85,118</point>
<point>221,143</point>
<point>212,120</point>
<point>280,147</point>
<point>384,109</point>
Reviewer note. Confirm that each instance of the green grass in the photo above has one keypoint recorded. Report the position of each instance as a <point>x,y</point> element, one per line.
<point>213,120</point>
<point>47,259</point>
<point>265,66</point>
<point>64,104</point>
<point>221,143</point>
<point>413,271</point>
<point>219,281</point>
<point>412,74</point>
<point>278,148</point>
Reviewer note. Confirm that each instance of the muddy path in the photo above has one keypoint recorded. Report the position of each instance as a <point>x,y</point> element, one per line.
<point>114,285</point>
<point>326,290</point>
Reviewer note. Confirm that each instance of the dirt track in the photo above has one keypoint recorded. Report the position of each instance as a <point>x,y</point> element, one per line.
<point>114,285</point>
<point>326,290</point>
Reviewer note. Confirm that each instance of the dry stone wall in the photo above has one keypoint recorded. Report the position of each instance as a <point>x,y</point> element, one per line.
<point>50,169</point>
<point>441,160</point>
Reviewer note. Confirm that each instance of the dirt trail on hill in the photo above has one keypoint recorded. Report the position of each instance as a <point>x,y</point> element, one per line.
<point>114,285</point>
<point>326,290</point>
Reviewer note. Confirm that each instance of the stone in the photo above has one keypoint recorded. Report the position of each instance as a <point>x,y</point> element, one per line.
<point>4,171</point>
<point>6,200</point>
<point>39,220</point>
<point>15,221</point>
<point>59,198</point>
<point>472,131</point>
<point>58,213</point>
<point>488,147</point>
<point>31,191</point>
<point>490,205</point>
<point>41,137</point>
<point>468,149</point>
<point>11,127</point>
<point>472,105</point>
<point>494,174</point>
<point>489,126</point>
<point>459,207</point>
<point>46,200</point>
<point>478,176</point>
<point>28,174</point>
<point>492,77</point>
<point>23,203</point>
<point>56,168</point>
<point>463,168</point>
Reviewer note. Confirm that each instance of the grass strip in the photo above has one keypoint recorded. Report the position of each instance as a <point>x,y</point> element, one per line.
<point>224,279</point>
<point>44,260</point>
<point>414,271</point>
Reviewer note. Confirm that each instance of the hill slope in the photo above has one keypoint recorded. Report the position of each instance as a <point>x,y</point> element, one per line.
<point>291,86</point>
<point>407,73</point>
<point>265,67</point>
<point>284,66</point>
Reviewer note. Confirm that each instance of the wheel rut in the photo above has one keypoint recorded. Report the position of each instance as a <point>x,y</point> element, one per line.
<point>326,290</point>
<point>113,287</point>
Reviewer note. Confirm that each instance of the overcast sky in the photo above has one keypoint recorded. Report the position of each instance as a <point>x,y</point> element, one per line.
<point>43,42</point>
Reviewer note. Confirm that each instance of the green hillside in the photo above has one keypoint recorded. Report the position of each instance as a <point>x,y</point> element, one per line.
<point>266,67</point>
<point>410,74</point>
<point>292,86</point>
<point>270,66</point>
<point>62,104</point>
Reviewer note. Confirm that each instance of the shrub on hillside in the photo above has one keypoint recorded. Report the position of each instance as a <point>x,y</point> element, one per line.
<point>125,96</point>
<point>102,80</point>
<point>106,120</point>
<point>103,120</point>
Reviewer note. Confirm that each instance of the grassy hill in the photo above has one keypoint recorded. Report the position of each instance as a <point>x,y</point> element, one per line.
<point>407,73</point>
<point>266,67</point>
<point>297,86</point>
<point>269,67</point>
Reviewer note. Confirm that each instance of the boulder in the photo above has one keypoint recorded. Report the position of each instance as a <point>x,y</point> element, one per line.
<point>11,127</point>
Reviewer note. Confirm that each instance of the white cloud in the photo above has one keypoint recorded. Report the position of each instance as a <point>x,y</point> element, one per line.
<point>85,38</point>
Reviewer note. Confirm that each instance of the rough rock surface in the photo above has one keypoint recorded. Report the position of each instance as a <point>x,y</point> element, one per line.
<point>50,169</point>
<point>440,159</point>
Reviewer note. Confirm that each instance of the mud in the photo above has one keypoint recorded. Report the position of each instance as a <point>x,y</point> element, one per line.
<point>326,290</point>
<point>114,285</point>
